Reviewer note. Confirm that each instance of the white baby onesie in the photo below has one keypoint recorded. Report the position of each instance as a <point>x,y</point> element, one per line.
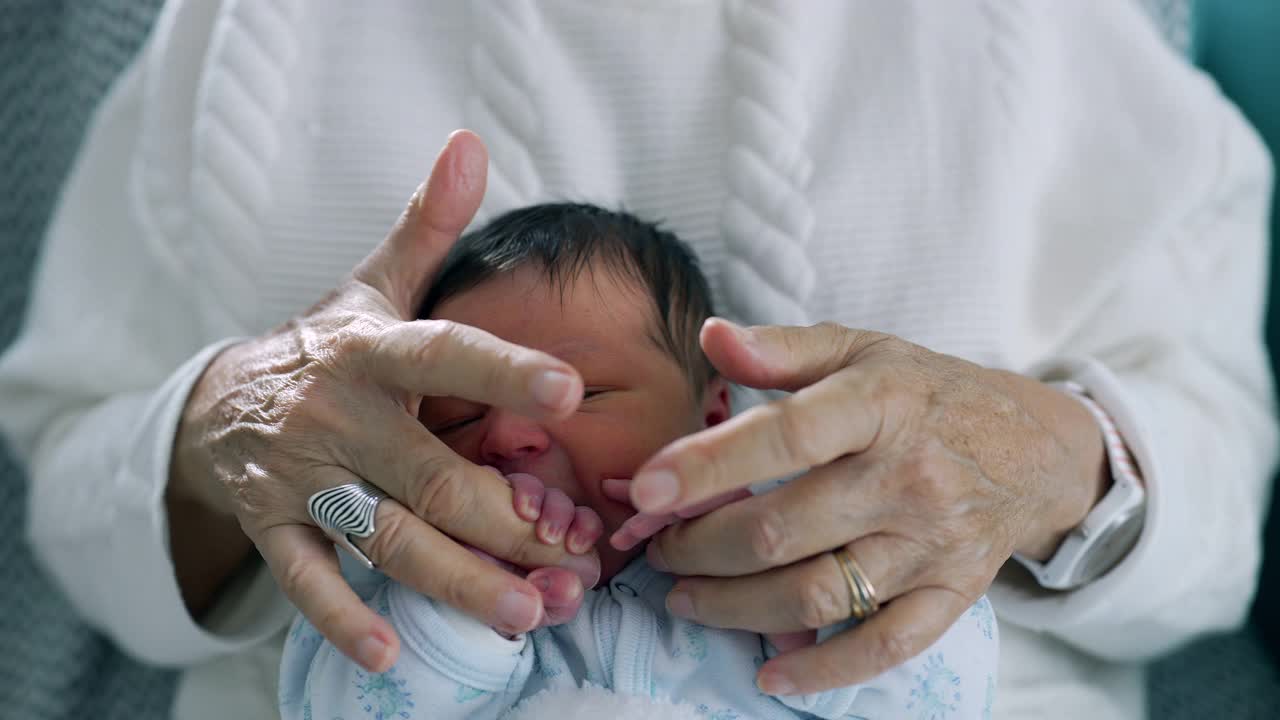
<point>623,638</point>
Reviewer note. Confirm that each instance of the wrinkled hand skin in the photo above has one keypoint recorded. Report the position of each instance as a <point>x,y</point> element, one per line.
<point>929,469</point>
<point>331,397</point>
<point>287,400</point>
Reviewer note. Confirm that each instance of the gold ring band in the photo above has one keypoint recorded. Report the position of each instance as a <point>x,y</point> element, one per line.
<point>862,595</point>
<point>857,607</point>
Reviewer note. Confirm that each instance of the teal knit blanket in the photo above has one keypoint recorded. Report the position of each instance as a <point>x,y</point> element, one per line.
<point>57,58</point>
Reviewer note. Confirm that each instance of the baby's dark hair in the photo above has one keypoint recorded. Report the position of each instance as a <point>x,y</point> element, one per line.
<point>563,240</point>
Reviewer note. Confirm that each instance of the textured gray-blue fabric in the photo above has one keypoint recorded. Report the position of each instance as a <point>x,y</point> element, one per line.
<point>57,58</point>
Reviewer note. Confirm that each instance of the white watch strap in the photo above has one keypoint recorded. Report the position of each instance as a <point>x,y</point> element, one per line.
<point>1061,569</point>
<point>1123,468</point>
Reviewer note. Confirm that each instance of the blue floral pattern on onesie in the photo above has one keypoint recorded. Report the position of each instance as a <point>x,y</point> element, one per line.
<point>384,695</point>
<point>937,690</point>
<point>695,642</point>
<point>985,616</point>
<point>622,640</point>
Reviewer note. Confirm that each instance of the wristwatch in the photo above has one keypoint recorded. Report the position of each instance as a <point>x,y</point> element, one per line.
<point>1111,529</point>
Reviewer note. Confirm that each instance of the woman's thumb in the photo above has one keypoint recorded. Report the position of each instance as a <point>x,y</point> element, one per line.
<point>401,266</point>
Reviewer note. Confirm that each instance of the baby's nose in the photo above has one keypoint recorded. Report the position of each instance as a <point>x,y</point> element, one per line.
<point>510,437</point>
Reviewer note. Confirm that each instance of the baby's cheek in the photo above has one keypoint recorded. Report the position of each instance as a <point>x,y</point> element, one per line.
<point>613,515</point>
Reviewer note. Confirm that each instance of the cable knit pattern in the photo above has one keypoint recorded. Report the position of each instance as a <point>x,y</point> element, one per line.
<point>500,107</point>
<point>767,220</point>
<point>234,144</point>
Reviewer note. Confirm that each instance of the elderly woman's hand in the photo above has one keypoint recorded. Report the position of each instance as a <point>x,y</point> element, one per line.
<point>929,470</point>
<point>331,398</point>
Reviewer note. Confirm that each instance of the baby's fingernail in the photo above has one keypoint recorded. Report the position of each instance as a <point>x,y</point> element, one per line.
<point>542,582</point>
<point>772,682</point>
<point>680,604</point>
<point>586,567</point>
<point>552,534</point>
<point>654,557</point>
<point>654,490</point>
<point>530,508</point>
<point>517,612</point>
<point>577,544</point>
<point>370,653</point>
<point>552,388</point>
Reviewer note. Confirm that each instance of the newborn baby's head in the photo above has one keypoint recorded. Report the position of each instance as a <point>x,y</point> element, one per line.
<point>616,297</point>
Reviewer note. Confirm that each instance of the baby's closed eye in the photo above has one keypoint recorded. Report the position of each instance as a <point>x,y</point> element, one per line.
<point>452,425</point>
<point>447,414</point>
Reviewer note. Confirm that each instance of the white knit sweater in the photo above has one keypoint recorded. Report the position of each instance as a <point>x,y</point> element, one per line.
<point>1039,186</point>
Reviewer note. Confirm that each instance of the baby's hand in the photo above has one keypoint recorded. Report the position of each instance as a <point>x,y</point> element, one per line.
<point>556,517</point>
<point>641,527</point>
<point>560,588</point>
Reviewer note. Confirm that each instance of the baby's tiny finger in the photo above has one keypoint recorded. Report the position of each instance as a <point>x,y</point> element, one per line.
<point>617,489</point>
<point>561,591</point>
<point>639,527</point>
<point>527,493</point>
<point>585,530</point>
<point>557,513</point>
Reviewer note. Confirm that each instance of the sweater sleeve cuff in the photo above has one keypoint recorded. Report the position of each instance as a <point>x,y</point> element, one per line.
<point>149,617</point>
<point>1018,597</point>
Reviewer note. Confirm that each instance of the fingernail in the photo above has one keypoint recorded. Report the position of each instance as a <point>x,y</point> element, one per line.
<point>654,490</point>
<point>551,388</point>
<point>577,544</point>
<point>517,612</point>
<point>586,567</point>
<point>552,534</point>
<point>530,509</point>
<point>680,604</point>
<point>772,682</point>
<point>370,652</point>
<point>741,331</point>
<point>542,582</point>
<point>744,336</point>
<point>654,557</point>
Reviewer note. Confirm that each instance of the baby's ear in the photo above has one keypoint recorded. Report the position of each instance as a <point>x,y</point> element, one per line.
<point>715,401</point>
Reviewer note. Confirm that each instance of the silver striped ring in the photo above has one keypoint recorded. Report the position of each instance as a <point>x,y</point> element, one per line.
<point>347,511</point>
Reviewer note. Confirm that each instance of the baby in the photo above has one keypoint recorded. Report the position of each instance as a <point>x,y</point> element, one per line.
<point>623,302</point>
